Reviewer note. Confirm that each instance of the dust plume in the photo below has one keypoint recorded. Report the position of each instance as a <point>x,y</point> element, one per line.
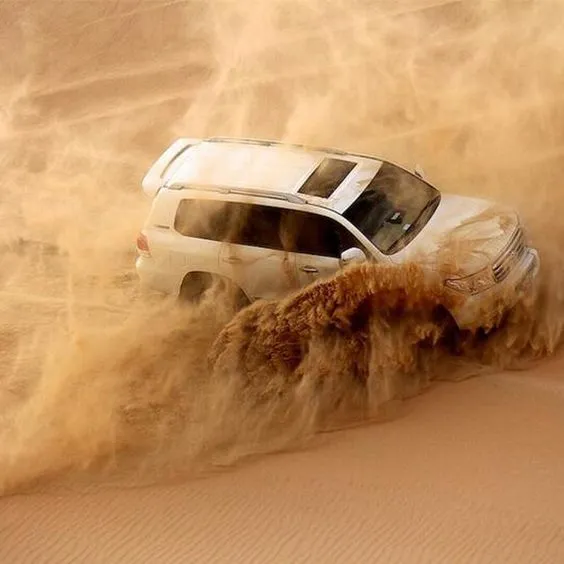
<point>92,371</point>
<point>203,388</point>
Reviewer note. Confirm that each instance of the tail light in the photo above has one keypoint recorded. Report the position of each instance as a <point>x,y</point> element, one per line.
<point>143,245</point>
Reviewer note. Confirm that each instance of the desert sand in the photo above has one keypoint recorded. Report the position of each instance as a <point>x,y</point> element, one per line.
<point>116,443</point>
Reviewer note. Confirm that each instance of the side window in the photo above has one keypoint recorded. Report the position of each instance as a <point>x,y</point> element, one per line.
<point>261,227</point>
<point>314,234</point>
<point>232,222</point>
<point>203,219</point>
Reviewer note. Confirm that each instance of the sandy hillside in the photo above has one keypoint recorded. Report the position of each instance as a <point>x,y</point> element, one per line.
<point>117,444</point>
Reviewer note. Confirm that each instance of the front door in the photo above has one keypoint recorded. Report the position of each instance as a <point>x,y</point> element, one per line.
<point>316,241</point>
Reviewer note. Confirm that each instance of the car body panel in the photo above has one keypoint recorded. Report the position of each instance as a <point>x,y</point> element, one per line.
<point>259,272</point>
<point>161,170</point>
<point>312,267</point>
<point>276,168</point>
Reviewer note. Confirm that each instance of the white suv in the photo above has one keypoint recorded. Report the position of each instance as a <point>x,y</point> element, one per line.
<point>269,217</point>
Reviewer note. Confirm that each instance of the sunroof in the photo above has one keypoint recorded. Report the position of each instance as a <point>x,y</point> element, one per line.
<point>325,179</point>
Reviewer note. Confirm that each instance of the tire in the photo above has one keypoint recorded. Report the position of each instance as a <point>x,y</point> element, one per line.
<point>196,284</point>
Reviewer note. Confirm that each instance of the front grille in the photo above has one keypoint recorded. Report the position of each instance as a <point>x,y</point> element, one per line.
<point>510,256</point>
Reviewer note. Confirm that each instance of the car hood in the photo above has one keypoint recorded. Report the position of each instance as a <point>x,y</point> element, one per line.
<point>463,236</point>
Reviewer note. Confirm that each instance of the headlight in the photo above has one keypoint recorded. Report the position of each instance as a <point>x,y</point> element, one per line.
<point>473,284</point>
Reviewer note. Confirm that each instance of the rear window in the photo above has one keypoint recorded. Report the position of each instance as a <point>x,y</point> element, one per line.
<point>202,219</point>
<point>327,177</point>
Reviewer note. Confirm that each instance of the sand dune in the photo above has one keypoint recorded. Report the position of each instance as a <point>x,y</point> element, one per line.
<point>470,472</point>
<point>116,442</point>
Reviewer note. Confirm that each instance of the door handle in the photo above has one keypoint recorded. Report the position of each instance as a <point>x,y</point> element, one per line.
<point>309,269</point>
<point>232,260</point>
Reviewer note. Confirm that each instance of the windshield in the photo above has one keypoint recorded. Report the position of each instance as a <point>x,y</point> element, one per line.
<point>393,208</point>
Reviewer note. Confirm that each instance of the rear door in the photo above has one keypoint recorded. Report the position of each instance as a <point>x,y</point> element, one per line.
<point>196,236</point>
<point>252,254</point>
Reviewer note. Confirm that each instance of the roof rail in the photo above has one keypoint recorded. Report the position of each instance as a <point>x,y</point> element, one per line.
<point>246,140</point>
<point>269,142</point>
<point>289,197</point>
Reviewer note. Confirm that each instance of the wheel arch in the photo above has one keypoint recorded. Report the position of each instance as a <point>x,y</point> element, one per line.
<point>209,276</point>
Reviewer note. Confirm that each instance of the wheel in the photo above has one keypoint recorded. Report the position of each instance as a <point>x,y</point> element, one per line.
<point>196,285</point>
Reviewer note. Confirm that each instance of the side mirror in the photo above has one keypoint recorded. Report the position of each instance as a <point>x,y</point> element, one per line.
<point>352,255</point>
<point>419,171</point>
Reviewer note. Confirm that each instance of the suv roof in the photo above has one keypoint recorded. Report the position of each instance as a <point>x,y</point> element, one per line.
<point>318,176</point>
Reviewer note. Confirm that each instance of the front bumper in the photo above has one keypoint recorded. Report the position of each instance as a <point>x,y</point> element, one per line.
<point>486,308</point>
